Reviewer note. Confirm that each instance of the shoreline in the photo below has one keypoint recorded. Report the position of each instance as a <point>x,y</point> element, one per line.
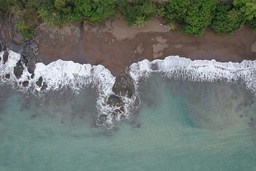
<point>117,94</point>
<point>116,46</point>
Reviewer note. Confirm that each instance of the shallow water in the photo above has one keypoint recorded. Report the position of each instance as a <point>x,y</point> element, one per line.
<point>180,125</point>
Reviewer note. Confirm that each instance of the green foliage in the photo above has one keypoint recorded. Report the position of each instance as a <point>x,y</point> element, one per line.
<point>24,13</point>
<point>160,10</point>
<point>247,7</point>
<point>95,10</point>
<point>252,23</point>
<point>57,12</point>
<point>192,15</point>
<point>198,16</point>
<point>59,4</point>
<point>63,11</point>
<point>176,10</point>
<point>227,19</point>
<point>25,30</point>
<point>137,12</point>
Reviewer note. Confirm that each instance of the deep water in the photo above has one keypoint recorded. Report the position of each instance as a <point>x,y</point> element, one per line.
<point>179,126</point>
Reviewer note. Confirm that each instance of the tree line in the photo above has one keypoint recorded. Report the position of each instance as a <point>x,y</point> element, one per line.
<point>192,16</point>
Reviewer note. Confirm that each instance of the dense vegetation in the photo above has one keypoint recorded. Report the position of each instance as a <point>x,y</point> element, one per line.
<point>193,16</point>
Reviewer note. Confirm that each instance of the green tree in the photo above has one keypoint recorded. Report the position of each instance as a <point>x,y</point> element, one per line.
<point>59,4</point>
<point>26,31</point>
<point>56,12</point>
<point>198,16</point>
<point>95,10</point>
<point>252,23</point>
<point>176,10</point>
<point>227,19</point>
<point>137,12</point>
<point>248,7</point>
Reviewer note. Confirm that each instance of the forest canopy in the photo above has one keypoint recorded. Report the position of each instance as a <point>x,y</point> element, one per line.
<point>192,16</point>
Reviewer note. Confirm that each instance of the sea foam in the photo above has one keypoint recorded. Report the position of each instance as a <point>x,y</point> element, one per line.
<point>59,74</point>
<point>198,70</point>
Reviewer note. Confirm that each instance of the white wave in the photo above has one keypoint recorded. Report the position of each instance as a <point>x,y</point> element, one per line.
<point>7,68</point>
<point>198,70</point>
<point>61,73</point>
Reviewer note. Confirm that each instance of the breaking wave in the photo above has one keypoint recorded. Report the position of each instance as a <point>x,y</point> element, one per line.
<point>198,70</point>
<point>59,74</point>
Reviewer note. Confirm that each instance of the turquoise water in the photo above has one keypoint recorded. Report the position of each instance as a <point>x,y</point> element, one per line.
<point>180,126</point>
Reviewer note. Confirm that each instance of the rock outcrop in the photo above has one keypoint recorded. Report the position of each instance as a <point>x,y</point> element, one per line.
<point>39,82</point>
<point>123,88</point>
<point>115,100</point>
<point>18,69</point>
<point>29,54</point>
<point>5,57</point>
<point>124,85</point>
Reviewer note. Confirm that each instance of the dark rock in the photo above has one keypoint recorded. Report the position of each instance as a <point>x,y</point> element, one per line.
<point>7,76</point>
<point>5,48</point>
<point>114,100</point>
<point>124,85</point>
<point>9,33</point>
<point>1,47</point>
<point>43,88</point>
<point>25,83</point>
<point>29,53</point>
<point>18,69</point>
<point>31,67</point>
<point>39,82</point>
<point>5,57</point>
<point>24,60</point>
<point>32,75</point>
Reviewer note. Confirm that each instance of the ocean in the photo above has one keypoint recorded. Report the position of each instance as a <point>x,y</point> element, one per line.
<point>179,124</point>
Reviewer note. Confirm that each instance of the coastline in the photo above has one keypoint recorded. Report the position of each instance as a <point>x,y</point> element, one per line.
<point>118,95</point>
<point>79,56</point>
<point>116,46</point>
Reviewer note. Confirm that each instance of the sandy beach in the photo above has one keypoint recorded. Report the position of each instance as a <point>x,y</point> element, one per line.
<point>116,46</point>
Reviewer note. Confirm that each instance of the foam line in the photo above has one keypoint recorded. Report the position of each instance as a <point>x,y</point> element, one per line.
<point>61,73</point>
<point>198,70</point>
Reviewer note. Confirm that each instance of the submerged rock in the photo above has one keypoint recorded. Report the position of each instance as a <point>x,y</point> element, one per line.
<point>18,69</point>
<point>102,119</point>
<point>124,85</point>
